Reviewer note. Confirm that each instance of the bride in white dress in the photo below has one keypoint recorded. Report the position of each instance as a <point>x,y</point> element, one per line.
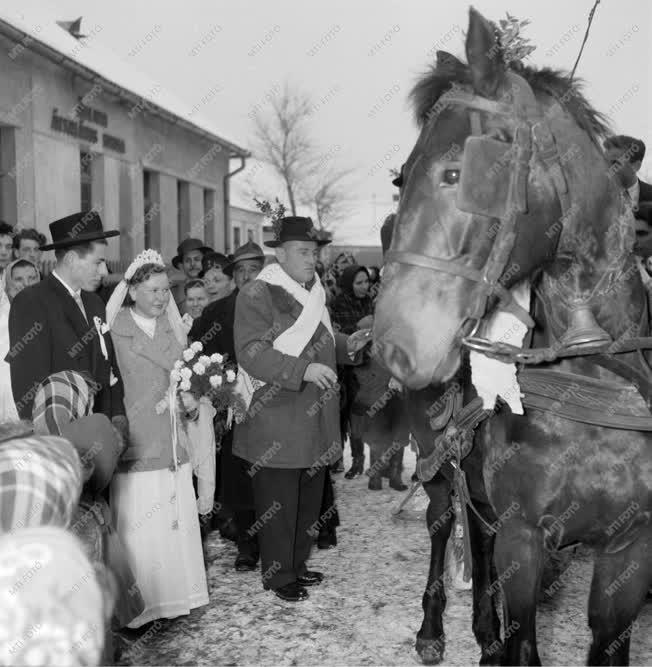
<point>152,495</point>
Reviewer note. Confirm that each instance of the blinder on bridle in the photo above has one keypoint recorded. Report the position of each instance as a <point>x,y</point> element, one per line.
<point>494,183</point>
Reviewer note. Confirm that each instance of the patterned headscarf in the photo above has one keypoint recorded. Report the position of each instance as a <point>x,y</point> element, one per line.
<point>52,609</point>
<point>62,397</point>
<point>40,482</point>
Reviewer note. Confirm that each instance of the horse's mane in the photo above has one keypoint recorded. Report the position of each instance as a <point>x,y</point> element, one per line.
<point>556,84</point>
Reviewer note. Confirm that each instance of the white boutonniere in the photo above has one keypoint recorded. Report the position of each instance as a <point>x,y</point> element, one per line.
<point>101,328</point>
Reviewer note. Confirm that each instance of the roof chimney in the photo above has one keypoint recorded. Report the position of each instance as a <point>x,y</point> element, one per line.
<point>73,27</point>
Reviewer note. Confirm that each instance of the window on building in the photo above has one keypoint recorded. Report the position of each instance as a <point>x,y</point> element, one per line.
<point>86,180</point>
<point>250,235</point>
<point>236,238</point>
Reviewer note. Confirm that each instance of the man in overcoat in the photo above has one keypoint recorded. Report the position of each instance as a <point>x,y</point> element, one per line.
<point>284,343</point>
<point>214,329</point>
<point>60,323</point>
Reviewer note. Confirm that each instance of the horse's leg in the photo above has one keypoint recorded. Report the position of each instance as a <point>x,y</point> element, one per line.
<point>620,583</point>
<point>519,562</point>
<point>486,622</point>
<point>431,642</point>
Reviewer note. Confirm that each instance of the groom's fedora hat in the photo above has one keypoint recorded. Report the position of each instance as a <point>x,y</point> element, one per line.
<point>76,229</point>
<point>295,228</point>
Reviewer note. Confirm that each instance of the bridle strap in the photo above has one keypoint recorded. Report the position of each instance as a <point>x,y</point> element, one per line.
<point>450,266</point>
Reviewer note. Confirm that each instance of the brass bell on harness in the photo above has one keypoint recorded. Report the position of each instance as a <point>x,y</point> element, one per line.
<point>583,329</point>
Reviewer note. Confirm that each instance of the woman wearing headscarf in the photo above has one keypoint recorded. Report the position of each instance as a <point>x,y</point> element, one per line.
<point>348,309</point>
<point>152,495</point>
<point>55,603</point>
<point>18,275</point>
<point>41,479</point>
<point>63,406</point>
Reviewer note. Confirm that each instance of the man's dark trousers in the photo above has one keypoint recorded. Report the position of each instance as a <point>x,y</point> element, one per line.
<point>287,520</point>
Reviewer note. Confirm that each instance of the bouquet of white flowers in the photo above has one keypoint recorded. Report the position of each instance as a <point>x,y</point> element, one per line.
<point>198,376</point>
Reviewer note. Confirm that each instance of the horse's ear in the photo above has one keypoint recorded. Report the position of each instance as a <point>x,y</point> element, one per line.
<point>484,55</point>
<point>448,59</point>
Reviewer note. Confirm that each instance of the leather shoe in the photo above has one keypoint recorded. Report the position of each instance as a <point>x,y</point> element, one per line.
<point>292,592</point>
<point>310,578</point>
<point>245,563</point>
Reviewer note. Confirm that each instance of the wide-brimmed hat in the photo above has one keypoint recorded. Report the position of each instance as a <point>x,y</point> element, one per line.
<point>187,246</point>
<point>296,228</point>
<point>77,228</point>
<point>249,250</point>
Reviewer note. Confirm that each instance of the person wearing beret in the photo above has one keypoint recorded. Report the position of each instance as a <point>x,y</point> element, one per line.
<point>188,259</point>
<point>219,284</point>
<point>286,351</point>
<point>60,324</point>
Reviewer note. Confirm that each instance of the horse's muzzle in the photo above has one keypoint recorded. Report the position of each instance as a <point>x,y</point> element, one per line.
<point>397,361</point>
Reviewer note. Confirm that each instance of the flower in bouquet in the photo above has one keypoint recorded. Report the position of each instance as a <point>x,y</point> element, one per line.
<point>215,381</point>
<point>199,368</point>
<point>188,354</point>
<point>197,346</point>
<point>185,385</point>
<point>216,358</point>
<point>230,375</point>
<point>204,360</point>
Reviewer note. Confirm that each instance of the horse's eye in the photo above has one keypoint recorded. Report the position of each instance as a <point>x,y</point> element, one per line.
<point>451,176</point>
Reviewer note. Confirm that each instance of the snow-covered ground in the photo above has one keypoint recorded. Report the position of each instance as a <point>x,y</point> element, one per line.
<point>368,609</point>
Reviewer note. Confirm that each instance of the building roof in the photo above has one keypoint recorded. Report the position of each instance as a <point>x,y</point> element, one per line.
<point>39,31</point>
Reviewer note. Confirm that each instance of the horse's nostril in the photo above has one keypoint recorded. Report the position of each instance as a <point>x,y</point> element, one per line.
<point>397,361</point>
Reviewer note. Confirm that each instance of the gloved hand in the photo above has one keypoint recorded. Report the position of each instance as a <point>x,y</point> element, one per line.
<point>357,341</point>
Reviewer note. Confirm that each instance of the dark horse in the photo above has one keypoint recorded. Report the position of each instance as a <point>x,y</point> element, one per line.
<point>508,182</point>
<point>424,408</point>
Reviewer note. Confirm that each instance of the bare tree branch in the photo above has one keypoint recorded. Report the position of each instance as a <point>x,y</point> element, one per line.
<point>283,140</point>
<point>328,194</point>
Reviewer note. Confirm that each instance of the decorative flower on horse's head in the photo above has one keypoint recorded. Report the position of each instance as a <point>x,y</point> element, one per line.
<point>514,47</point>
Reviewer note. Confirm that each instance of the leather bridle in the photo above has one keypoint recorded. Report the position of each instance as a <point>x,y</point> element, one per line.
<point>530,127</point>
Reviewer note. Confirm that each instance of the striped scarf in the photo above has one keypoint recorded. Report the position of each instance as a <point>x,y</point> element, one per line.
<point>40,482</point>
<point>62,397</point>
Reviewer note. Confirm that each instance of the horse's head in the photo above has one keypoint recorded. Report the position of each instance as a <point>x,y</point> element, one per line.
<point>485,194</point>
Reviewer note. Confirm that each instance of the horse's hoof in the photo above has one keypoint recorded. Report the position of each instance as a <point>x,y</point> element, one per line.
<point>431,651</point>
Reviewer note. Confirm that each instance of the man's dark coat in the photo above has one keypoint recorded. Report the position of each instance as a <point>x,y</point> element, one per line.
<point>290,423</point>
<point>48,334</point>
<point>214,327</point>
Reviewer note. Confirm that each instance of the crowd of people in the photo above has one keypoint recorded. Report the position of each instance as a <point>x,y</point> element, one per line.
<point>103,517</point>
<point>84,395</point>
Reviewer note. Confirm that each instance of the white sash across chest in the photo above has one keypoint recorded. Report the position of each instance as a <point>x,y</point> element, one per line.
<point>293,340</point>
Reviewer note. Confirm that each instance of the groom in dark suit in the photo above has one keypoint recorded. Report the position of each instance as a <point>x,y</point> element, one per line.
<point>59,324</point>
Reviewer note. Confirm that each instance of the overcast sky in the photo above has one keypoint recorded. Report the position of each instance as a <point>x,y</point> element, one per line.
<point>358,60</point>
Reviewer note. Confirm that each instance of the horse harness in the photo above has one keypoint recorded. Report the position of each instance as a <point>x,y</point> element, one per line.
<point>531,129</point>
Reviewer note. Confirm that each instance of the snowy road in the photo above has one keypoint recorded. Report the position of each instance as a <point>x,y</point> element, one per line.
<point>367,611</point>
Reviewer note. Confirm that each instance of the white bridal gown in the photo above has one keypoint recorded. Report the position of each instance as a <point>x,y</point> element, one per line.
<point>155,514</point>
